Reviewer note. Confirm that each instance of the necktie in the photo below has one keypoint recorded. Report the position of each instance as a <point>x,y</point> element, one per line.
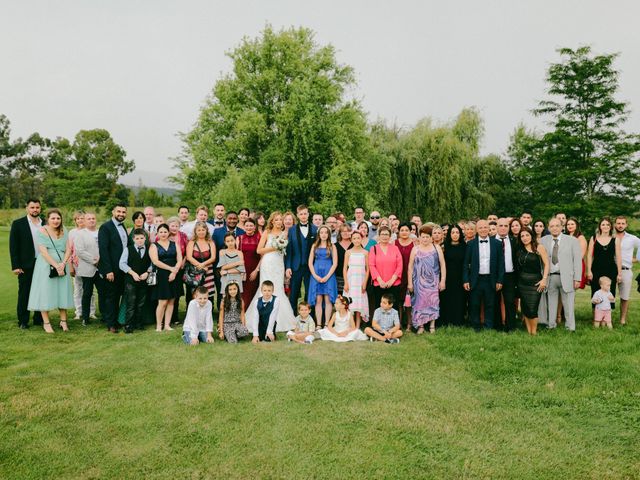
<point>141,251</point>
<point>148,228</point>
<point>554,252</point>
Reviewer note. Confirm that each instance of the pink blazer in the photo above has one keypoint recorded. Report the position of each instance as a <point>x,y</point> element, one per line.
<point>384,266</point>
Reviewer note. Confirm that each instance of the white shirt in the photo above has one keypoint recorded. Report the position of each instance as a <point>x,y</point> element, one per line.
<point>304,229</point>
<point>508,259</point>
<point>198,319</point>
<point>628,244</point>
<point>272,317</point>
<point>149,228</point>
<point>35,228</point>
<point>605,302</point>
<point>189,227</point>
<point>485,256</point>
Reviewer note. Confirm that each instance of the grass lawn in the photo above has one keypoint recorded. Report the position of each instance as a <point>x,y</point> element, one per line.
<point>453,405</point>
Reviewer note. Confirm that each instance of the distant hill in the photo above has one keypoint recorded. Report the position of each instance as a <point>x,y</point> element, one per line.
<point>157,180</point>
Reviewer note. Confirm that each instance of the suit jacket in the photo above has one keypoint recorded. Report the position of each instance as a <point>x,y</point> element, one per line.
<point>110,248</point>
<point>569,259</point>
<point>298,248</point>
<point>86,251</point>
<point>219,233</point>
<point>471,267</point>
<point>21,250</point>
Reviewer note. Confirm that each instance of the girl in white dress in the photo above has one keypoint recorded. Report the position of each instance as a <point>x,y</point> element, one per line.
<point>341,327</point>
<point>272,247</point>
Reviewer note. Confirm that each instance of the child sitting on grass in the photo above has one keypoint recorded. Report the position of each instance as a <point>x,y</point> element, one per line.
<point>305,326</point>
<point>198,324</point>
<point>386,323</point>
<point>342,327</point>
<point>267,306</point>
<point>603,299</point>
<point>231,323</point>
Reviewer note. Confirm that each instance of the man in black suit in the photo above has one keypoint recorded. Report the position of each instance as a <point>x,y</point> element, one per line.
<point>23,252</point>
<point>301,236</point>
<point>112,240</point>
<point>507,294</point>
<point>482,274</point>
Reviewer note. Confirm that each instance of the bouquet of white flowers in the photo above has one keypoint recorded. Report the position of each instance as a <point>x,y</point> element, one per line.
<point>280,242</point>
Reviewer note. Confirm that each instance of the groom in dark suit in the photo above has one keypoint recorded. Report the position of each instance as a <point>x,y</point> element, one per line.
<point>112,240</point>
<point>23,258</point>
<point>483,274</point>
<point>301,236</point>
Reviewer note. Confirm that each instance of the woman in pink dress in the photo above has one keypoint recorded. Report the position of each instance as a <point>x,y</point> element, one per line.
<point>385,265</point>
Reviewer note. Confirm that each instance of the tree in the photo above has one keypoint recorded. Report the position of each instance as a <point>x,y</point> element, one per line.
<point>281,126</point>
<point>86,172</point>
<point>586,163</point>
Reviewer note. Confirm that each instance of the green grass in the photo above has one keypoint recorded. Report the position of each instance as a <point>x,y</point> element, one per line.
<point>88,405</point>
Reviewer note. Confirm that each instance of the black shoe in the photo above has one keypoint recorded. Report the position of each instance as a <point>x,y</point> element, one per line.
<point>23,326</point>
<point>128,329</point>
<point>85,322</point>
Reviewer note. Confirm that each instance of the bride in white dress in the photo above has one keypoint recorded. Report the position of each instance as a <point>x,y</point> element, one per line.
<point>272,268</point>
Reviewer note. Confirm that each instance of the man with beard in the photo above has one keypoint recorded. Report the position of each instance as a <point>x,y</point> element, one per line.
<point>230,226</point>
<point>375,221</point>
<point>112,240</point>
<point>23,252</point>
<point>628,243</point>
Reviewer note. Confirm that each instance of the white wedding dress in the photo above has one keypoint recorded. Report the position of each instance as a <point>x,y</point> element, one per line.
<point>272,268</point>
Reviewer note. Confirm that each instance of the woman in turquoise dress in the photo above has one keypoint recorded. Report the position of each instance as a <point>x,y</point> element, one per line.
<point>323,286</point>
<point>50,293</point>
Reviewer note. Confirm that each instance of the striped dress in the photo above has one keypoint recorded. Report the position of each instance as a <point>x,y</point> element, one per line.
<point>356,270</point>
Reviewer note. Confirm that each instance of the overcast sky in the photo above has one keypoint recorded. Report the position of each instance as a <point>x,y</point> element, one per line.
<point>141,69</point>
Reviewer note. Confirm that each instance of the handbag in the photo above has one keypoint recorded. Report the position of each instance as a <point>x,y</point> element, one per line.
<point>53,271</point>
<point>152,279</point>
<point>192,276</point>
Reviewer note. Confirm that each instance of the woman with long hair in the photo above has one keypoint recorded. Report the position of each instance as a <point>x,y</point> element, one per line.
<point>532,269</point>
<point>323,287</point>
<point>604,258</point>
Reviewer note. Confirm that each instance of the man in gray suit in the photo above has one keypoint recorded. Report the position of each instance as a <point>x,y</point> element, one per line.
<point>86,243</point>
<point>565,260</point>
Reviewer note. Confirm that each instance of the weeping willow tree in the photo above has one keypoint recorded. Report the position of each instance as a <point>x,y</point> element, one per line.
<point>440,174</point>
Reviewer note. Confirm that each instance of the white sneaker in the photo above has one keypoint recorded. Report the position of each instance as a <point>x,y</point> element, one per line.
<point>309,339</point>
<point>77,317</point>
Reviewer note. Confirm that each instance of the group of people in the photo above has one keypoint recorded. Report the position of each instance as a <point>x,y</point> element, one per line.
<point>253,269</point>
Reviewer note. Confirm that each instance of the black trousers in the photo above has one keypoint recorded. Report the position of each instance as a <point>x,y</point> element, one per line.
<point>135,294</point>
<point>483,290</point>
<point>508,295</point>
<point>298,277</point>
<point>263,325</point>
<point>24,287</point>
<point>87,291</point>
<point>113,294</point>
<point>377,296</point>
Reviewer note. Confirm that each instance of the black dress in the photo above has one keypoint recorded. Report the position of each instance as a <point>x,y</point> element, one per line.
<point>604,265</point>
<point>164,289</point>
<point>341,251</point>
<point>529,270</point>
<point>453,299</point>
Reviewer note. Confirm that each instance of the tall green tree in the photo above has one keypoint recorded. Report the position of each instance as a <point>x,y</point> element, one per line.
<point>86,171</point>
<point>586,163</point>
<point>280,123</point>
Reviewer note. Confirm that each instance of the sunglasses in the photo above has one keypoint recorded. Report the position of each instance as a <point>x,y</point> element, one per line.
<point>374,217</point>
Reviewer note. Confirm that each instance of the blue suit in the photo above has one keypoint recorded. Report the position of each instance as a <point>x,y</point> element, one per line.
<point>297,259</point>
<point>483,287</point>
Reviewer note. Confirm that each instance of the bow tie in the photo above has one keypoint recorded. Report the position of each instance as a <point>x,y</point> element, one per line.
<point>304,225</point>
<point>121,224</point>
<point>219,222</point>
<point>484,241</point>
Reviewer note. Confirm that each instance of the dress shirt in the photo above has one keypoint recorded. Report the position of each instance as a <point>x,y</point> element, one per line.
<point>386,319</point>
<point>508,259</point>
<point>149,228</point>
<point>272,318</point>
<point>628,244</point>
<point>485,256</point>
<point>304,229</point>
<point>35,228</point>
<point>554,268</point>
<point>121,231</point>
<point>198,319</point>
<point>189,227</point>
<point>218,224</point>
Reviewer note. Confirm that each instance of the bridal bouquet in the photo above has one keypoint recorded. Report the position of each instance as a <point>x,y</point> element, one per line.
<point>280,244</point>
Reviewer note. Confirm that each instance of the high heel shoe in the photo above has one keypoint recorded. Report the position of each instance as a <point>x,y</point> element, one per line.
<point>64,326</point>
<point>47,327</point>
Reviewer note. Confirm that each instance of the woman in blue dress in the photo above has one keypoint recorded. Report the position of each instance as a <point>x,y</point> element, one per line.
<point>167,260</point>
<point>323,287</point>
<point>50,293</point>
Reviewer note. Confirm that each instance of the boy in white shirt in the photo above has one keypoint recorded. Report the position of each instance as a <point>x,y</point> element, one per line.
<point>198,324</point>
<point>603,299</point>
<point>305,325</point>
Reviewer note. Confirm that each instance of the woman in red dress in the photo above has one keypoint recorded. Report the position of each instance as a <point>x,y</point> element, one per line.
<point>248,245</point>
<point>405,244</point>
